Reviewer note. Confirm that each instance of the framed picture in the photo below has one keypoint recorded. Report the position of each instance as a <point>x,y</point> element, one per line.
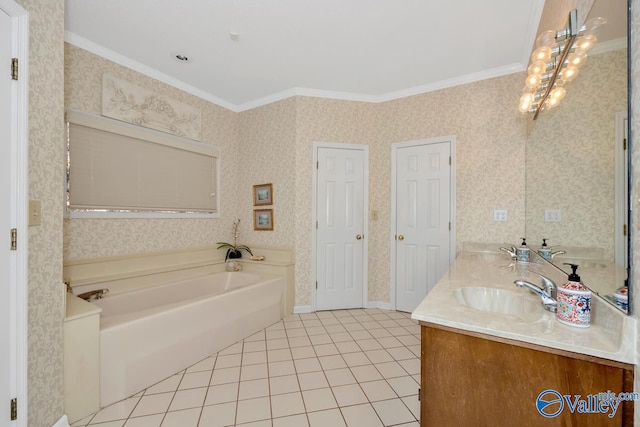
<point>262,194</point>
<point>263,219</point>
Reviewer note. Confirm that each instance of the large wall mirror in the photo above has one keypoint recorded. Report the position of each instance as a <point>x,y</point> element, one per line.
<point>576,166</point>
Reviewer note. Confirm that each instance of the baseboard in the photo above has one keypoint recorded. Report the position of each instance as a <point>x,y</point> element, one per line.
<point>302,309</point>
<point>380,305</point>
<point>62,422</point>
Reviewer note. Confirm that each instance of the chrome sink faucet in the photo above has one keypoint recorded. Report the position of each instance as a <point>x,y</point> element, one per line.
<point>511,251</point>
<point>97,294</point>
<point>549,303</point>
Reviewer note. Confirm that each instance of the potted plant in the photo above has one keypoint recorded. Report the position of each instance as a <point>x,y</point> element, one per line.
<point>233,250</point>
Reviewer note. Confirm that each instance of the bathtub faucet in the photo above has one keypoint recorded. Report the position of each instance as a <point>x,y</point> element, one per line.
<point>97,294</point>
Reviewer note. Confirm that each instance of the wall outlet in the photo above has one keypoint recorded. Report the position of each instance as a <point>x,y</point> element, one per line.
<point>552,215</point>
<point>500,215</point>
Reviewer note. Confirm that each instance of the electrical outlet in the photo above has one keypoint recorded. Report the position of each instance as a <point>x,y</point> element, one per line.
<point>500,215</point>
<point>552,215</point>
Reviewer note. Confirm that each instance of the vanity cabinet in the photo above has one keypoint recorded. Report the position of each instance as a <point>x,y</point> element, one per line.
<point>473,379</point>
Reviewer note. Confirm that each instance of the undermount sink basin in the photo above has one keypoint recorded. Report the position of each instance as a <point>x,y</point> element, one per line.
<point>500,301</point>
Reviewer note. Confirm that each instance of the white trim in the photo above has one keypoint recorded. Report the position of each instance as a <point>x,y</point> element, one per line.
<point>381,305</point>
<point>62,422</point>
<point>621,191</point>
<point>451,139</point>
<point>365,247</point>
<point>89,214</point>
<point>109,54</point>
<point>608,46</point>
<point>298,309</point>
<point>19,210</point>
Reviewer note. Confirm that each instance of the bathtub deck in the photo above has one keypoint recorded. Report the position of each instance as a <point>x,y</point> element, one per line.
<point>338,368</point>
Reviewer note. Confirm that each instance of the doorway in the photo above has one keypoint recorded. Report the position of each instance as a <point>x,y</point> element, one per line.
<point>13,215</point>
<point>422,216</point>
<point>340,225</point>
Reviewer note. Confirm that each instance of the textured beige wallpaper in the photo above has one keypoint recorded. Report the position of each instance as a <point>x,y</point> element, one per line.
<point>46,154</point>
<point>570,158</point>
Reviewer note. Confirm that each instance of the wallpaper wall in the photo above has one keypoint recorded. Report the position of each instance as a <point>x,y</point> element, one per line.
<point>570,158</point>
<point>46,292</point>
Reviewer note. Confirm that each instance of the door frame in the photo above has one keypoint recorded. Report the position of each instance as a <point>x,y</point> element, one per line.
<point>451,139</point>
<point>365,247</point>
<point>19,207</point>
<point>621,204</point>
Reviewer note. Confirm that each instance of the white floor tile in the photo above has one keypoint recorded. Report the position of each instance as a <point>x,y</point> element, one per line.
<point>191,398</point>
<point>119,423</point>
<point>263,423</point>
<point>332,362</point>
<point>303,352</point>
<point>277,334</point>
<point>390,369</point>
<point>301,341</point>
<point>404,386</point>
<point>258,336</point>
<point>369,344</point>
<point>218,415</point>
<point>412,366</point>
<point>232,349</point>
<point>153,404</point>
<point>378,390</point>
<point>285,384</point>
<point>287,404</point>
<point>291,421</point>
<point>276,344</point>
<point>379,356</point>
<point>356,359</point>
<point>341,376</point>
<point>332,418</point>
<point>295,333</point>
<point>401,353</point>
<point>413,404</point>
<point>254,388</point>
<point>319,399</point>
<point>184,418</point>
<point>347,395</point>
<point>307,365</point>
<point>393,412</point>
<point>317,330</point>
<point>225,375</point>
<point>318,339</point>
<point>228,360</point>
<point>222,393</point>
<point>254,410</point>
<point>278,369</point>
<point>254,358</point>
<point>203,365</point>
<point>325,349</point>
<point>170,384</point>
<point>361,416</point>
<point>148,421</point>
<point>366,373</point>
<point>312,380</point>
<point>195,380</point>
<point>341,337</point>
<point>279,355</point>
<point>254,346</point>
<point>254,372</point>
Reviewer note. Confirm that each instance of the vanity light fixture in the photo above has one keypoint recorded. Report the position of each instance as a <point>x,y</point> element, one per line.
<point>557,57</point>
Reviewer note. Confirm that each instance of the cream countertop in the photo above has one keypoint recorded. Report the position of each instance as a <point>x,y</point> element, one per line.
<point>610,336</point>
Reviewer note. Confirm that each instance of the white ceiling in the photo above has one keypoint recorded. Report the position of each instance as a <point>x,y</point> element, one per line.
<point>369,50</point>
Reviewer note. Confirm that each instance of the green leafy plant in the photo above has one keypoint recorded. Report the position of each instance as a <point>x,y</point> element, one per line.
<point>233,250</point>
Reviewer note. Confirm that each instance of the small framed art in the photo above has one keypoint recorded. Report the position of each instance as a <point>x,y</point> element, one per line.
<point>263,219</point>
<point>262,194</point>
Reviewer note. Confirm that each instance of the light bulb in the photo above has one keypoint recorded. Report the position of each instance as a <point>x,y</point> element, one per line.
<point>525,102</point>
<point>558,93</point>
<point>586,43</point>
<point>548,38</point>
<point>541,54</point>
<point>551,102</point>
<point>577,59</point>
<point>538,67</point>
<point>592,25</point>
<point>569,73</point>
<point>533,80</point>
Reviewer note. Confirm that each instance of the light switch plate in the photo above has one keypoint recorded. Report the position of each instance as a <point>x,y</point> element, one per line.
<point>552,215</point>
<point>35,212</point>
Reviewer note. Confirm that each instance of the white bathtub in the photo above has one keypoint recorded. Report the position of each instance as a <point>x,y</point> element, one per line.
<point>150,334</point>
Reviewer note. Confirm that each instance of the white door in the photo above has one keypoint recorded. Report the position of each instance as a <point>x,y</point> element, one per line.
<point>340,228</point>
<point>7,380</point>
<point>423,219</point>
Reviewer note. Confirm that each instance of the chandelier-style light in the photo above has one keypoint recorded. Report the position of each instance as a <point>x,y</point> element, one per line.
<point>557,57</point>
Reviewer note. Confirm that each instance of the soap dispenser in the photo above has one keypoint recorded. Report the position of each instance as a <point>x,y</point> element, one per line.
<point>574,301</point>
<point>545,251</point>
<point>523,252</point>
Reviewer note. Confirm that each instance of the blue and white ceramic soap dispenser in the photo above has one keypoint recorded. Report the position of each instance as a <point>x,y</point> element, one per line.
<point>523,253</point>
<point>545,251</point>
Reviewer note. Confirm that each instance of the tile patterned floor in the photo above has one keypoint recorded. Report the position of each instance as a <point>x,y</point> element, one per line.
<point>355,368</point>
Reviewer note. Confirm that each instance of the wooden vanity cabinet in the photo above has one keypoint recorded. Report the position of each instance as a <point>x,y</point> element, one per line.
<point>472,379</point>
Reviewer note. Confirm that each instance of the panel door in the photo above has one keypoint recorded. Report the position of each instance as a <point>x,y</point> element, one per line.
<point>340,228</point>
<point>422,220</point>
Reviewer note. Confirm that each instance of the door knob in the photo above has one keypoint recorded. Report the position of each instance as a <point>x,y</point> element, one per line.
<point>400,237</point>
<point>359,237</point>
